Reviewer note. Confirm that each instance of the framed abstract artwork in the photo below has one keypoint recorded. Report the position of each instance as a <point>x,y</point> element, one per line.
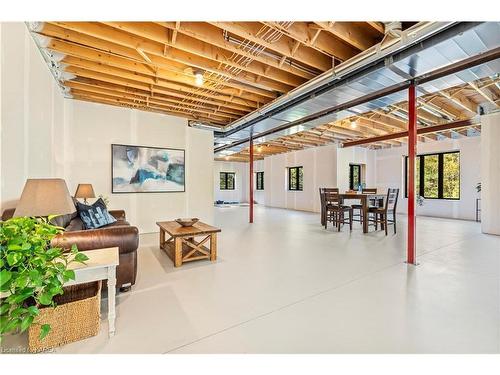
<point>141,169</point>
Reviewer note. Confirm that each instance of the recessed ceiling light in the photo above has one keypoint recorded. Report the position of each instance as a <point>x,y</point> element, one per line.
<point>354,124</point>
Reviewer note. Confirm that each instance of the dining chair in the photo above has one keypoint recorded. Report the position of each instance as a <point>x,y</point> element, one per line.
<point>322,192</point>
<point>359,207</point>
<point>335,211</point>
<point>381,214</point>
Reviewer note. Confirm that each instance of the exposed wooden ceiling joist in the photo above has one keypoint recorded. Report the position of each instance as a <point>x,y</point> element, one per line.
<point>322,42</point>
<point>350,33</point>
<point>306,55</point>
<point>213,35</point>
<point>385,128</point>
<point>244,64</point>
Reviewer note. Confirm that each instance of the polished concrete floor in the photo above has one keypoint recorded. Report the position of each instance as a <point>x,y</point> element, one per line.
<point>286,285</point>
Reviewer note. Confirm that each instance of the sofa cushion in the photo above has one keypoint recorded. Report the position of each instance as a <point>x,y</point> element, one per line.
<point>94,216</point>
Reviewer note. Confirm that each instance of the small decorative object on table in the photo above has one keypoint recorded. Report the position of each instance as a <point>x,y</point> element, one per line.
<point>188,222</point>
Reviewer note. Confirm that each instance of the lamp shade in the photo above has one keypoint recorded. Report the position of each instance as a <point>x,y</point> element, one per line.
<point>84,191</point>
<point>44,197</point>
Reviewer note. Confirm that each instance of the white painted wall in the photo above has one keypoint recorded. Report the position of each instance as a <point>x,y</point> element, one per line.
<point>328,166</point>
<point>92,128</point>
<point>319,165</point>
<point>490,172</point>
<point>44,135</point>
<point>32,127</point>
<point>355,155</point>
<point>389,173</point>
<point>259,196</point>
<point>240,192</point>
<point>325,166</point>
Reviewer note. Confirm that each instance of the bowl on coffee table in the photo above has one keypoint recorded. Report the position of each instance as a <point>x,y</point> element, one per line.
<point>187,222</point>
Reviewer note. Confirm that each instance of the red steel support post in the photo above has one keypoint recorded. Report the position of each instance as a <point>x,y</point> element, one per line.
<point>251,177</point>
<point>412,151</point>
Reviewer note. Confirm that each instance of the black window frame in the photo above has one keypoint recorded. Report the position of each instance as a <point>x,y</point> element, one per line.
<point>261,180</point>
<point>421,159</point>
<point>225,186</point>
<point>351,176</point>
<point>298,186</point>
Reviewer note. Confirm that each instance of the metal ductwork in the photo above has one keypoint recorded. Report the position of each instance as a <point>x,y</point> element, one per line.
<point>393,29</point>
<point>423,48</point>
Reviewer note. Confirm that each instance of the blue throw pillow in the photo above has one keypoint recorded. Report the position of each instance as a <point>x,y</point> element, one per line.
<point>94,216</point>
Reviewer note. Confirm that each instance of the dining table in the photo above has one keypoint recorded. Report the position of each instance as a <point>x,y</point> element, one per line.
<point>364,199</point>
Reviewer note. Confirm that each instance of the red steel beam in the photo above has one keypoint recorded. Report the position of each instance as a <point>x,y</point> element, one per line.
<point>412,153</point>
<point>420,131</point>
<point>251,179</point>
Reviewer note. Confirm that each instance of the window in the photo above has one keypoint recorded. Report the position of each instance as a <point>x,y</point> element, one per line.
<point>437,176</point>
<point>226,180</point>
<point>354,176</point>
<point>451,175</point>
<point>295,178</point>
<point>259,181</point>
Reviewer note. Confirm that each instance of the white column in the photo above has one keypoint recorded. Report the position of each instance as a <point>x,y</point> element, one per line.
<point>490,173</point>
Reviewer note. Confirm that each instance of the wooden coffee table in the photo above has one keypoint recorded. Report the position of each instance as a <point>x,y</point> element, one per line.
<point>182,246</point>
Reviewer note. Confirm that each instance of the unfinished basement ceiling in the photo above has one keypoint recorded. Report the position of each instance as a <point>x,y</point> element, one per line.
<point>153,66</point>
<point>426,47</point>
<point>228,75</point>
<point>450,105</point>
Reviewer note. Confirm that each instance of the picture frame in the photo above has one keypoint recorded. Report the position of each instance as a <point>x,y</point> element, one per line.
<point>147,169</point>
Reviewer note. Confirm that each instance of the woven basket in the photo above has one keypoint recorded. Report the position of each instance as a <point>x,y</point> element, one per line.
<point>71,320</point>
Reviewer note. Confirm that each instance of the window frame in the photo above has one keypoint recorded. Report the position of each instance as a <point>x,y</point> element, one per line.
<point>421,177</point>
<point>297,185</point>
<point>351,176</point>
<point>257,187</point>
<point>226,174</point>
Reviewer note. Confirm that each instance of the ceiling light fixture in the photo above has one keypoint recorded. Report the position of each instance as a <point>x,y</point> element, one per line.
<point>354,124</point>
<point>198,78</point>
<point>259,149</point>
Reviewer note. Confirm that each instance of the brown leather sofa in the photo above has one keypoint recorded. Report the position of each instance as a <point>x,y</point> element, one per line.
<point>119,234</point>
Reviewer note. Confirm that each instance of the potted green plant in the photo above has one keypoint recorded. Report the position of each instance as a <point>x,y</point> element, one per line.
<point>32,272</point>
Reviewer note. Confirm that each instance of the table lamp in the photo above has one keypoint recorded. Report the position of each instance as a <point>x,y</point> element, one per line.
<point>44,197</point>
<point>85,191</point>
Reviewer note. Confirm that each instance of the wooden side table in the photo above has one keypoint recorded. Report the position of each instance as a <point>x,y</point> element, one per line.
<point>101,265</point>
<point>182,246</point>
